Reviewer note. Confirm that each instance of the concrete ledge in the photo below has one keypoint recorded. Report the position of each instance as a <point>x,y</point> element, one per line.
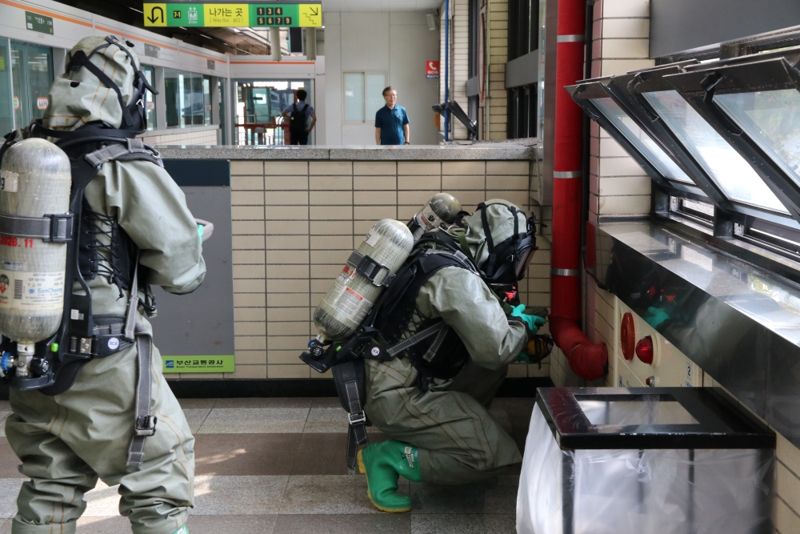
<point>478,151</point>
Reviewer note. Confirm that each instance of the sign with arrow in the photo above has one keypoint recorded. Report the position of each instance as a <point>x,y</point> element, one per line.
<point>237,15</point>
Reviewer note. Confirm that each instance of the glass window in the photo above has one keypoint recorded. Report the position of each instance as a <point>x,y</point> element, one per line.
<point>32,75</point>
<point>772,120</point>
<point>6,94</point>
<point>363,95</point>
<point>188,98</point>
<point>729,170</point>
<point>640,140</point>
<point>149,98</point>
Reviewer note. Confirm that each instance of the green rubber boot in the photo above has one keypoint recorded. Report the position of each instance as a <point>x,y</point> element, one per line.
<point>383,464</point>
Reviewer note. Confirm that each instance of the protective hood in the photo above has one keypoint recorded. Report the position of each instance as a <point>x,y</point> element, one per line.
<point>102,82</point>
<point>500,239</point>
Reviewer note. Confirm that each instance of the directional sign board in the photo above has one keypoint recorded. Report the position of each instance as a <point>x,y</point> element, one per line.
<point>237,15</point>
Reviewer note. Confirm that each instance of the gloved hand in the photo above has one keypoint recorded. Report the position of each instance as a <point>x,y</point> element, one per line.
<point>533,322</point>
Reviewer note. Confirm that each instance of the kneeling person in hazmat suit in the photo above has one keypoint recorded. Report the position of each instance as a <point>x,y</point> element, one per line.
<point>431,400</point>
<point>109,412</point>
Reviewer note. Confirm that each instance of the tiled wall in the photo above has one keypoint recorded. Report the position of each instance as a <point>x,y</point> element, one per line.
<point>296,222</point>
<point>198,136</point>
<point>495,118</point>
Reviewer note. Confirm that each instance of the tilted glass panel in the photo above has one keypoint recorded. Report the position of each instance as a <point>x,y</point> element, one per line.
<point>772,120</point>
<point>640,140</point>
<point>729,170</point>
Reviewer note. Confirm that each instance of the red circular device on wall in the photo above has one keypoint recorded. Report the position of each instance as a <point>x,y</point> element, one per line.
<point>627,336</point>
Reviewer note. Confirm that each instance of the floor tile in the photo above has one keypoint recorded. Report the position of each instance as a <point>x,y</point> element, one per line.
<point>254,420</point>
<point>3,416</point>
<point>102,501</point>
<point>430,499</point>
<point>246,454</point>
<point>195,417</point>
<point>326,419</point>
<point>264,402</point>
<point>321,454</point>
<point>5,525</point>
<point>8,461</point>
<point>238,495</point>
<point>331,494</point>
<point>199,404</point>
<point>103,525</point>
<point>9,489</point>
<point>462,524</point>
<point>248,524</point>
<point>343,524</point>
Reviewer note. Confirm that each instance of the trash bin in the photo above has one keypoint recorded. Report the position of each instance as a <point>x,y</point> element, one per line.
<point>644,460</point>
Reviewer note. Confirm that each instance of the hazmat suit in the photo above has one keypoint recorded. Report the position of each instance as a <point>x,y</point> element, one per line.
<point>67,441</point>
<point>442,432</point>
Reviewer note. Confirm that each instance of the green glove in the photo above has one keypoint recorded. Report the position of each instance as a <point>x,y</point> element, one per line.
<point>533,322</point>
<point>200,229</point>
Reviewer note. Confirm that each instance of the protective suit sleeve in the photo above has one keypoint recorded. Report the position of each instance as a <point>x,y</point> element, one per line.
<point>152,209</point>
<point>470,308</point>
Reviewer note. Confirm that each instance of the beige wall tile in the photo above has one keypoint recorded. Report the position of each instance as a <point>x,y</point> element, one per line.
<point>625,48</point>
<point>288,300</point>
<point>285,328</point>
<point>417,168</point>
<point>289,257</point>
<point>333,213</point>
<point>787,486</point>
<point>247,183</point>
<point>461,168</point>
<point>375,183</point>
<point>286,213</point>
<point>288,314</point>
<point>277,285</point>
<point>251,357</point>
<point>245,285</point>
<point>248,257</point>
<point>507,182</point>
<point>245,300</point>
<point>374,213</point>
<point>300,370</point>
<point>520,198</point>
<point>286,198</point>
<point>250,342</point>
<point>508,167</point>
<point>416,183</point>
<point>629,185</point>
<point>247,213</point>
<point>326,272</point>
<point>287,271</point>
<point>329,257</point>
<point>331,198</point>
<point>331,168</point>
<point>331,182</point>
<point>287,227</point>
<point>249,314</point>
<point>247,242</point>
<point>786,520</point>
<point>287,342</point>
<point>630,28</point>
<point>239,168</point>
<point>284,357</point>
<point>375,168</point>
<point>463,182</point>
<point>372,198</point>
<point>250,372</point>
<point>626,8</point>
<point>413,198</point>
<point>629,205</point>
<point>287,242</point>
<point>286,183</point>
<point>469,199</point>
<point>361,227</point>
<point>248,271</point>
<point>332,242</point>
<point>278,168</point>
<point>258,328</point>
<point>247,227</point>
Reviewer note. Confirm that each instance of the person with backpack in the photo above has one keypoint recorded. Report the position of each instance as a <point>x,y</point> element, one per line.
<point>301,117</point>
<point>449,336</point>
<point>107,411</point>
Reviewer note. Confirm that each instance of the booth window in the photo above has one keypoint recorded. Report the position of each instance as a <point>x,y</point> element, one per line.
<point>188,98</point>
<point>720,139</point>
<point>363,95</point>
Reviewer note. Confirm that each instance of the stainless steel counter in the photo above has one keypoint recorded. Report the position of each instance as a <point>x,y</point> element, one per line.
<point>737,322</point>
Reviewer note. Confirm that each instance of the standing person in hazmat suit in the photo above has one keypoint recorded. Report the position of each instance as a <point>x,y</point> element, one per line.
<point>112,415</point>
<point>439,428</point>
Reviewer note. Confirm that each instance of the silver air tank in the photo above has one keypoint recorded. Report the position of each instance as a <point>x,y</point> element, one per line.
<point>441,210</point>
<point>386,246</point>
<point>35,181</point>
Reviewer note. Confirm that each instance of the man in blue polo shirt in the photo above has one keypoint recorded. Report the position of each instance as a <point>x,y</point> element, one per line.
<point>391,121</point>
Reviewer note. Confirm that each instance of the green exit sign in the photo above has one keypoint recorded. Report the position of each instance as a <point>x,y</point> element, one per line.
<point>38,23</point>
<point>232,15</point>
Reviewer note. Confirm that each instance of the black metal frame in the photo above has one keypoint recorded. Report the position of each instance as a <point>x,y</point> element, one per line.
<point>584,92</point>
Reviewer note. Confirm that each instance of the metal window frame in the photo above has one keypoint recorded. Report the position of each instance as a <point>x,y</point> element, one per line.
<point>585,91</point>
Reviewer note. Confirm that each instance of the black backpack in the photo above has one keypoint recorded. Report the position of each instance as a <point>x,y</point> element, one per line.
<point>298,119</point>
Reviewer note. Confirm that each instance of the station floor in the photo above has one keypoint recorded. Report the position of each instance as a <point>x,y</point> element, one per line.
<point>277,466</point>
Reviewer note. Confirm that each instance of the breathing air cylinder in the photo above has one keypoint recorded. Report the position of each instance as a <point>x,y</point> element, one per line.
<point>386,246</point>
<point>440,211</point>
<point>35,180</point>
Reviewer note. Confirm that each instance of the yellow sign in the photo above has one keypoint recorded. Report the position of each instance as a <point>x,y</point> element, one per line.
<point>155,14</point>
<point>310,15</point>
<point>226,15</point>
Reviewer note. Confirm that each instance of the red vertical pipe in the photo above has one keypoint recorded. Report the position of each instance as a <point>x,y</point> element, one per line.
<point>586,359</point>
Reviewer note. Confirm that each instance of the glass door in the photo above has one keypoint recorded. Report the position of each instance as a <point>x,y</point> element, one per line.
<point>32,75</point>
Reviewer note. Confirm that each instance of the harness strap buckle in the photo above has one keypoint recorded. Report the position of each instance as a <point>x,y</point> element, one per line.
<point>358,418</point>
<point>145,425</point>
